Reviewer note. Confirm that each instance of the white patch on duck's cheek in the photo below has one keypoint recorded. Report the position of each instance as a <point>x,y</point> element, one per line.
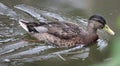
<point>41,29</point>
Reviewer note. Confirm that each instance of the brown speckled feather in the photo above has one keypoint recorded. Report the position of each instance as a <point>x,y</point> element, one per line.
<point>64,30</point>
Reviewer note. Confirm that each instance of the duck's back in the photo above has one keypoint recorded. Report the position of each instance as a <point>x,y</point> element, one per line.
<point>64,30</point>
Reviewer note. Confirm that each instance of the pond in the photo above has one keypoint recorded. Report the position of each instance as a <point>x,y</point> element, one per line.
<point>17,50</point>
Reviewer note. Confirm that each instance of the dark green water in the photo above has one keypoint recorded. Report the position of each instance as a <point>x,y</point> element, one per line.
<point>14,51</point>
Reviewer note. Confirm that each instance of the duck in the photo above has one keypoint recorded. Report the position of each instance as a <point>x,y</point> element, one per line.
<point>66,34</point>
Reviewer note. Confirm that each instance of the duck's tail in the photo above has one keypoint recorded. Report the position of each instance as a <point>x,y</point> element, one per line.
<point>33,26</point>
<point>23,24</point>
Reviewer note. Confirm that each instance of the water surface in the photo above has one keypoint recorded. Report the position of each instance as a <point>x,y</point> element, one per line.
<point>16,51</point>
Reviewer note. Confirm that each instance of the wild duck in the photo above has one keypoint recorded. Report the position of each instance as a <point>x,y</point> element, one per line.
<point>66,34</point>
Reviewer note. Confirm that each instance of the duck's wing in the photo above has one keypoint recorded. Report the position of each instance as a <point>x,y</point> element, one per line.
<point>64,30</point>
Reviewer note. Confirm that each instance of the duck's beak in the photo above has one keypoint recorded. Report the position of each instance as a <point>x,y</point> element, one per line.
<point>107,29</point>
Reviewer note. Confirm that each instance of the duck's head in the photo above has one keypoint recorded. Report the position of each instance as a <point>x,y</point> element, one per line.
<point>100,23</point>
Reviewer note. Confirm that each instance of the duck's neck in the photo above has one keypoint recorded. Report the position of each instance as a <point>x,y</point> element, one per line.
<point>91,29</point>
<point>91,34</point>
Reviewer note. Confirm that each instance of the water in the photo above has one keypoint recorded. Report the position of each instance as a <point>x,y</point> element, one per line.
<point>16,51</point>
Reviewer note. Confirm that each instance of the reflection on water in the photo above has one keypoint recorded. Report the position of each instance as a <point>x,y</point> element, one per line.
<point>15,51</point>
